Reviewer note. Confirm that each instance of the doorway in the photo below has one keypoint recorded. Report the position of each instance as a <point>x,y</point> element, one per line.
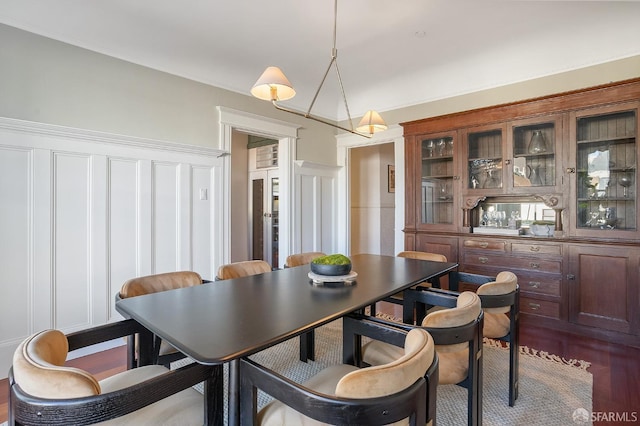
<point>265,204</point>
<point>234,229</point>
<point>372,199</point>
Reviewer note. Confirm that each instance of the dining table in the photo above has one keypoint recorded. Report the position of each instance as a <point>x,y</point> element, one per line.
<point>222,321</point>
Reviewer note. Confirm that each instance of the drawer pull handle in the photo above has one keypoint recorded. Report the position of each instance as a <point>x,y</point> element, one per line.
<point>534,306</point>
<point>534,248</point>
<point>483,259</point>
<point>534,265</point>
<point>534,284</point>
<point>484,244</point>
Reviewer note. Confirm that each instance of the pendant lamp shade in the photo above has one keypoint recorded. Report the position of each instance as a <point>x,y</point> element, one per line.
<point>273,85</point>
<point>371,123</point>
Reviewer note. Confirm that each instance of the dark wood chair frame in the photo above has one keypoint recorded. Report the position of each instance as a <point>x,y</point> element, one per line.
<point>166,359</point>
<point>26,409</point>
<point>512,300</point>
<point>422,298</point>
<point>409,403</point>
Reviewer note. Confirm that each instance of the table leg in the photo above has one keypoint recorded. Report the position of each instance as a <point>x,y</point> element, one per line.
<point>234,393</point>
<point>307,346</point>
<point>214,398</point>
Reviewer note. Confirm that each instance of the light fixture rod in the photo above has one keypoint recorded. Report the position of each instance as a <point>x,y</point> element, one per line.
<point>333,61</point>
<point>319,120</point>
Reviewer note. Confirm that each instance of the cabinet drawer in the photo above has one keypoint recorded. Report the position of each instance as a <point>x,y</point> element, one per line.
<point>508,263</point>
<point>536,248</point>
<point>486,244</point>
<point>539,285</point>
<point>539,307</point>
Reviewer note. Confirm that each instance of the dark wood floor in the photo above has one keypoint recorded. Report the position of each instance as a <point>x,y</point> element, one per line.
<point>615,368</point>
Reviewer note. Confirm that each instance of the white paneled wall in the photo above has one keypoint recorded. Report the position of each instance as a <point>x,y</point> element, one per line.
<point>82,211</point>
<point>315,213</point>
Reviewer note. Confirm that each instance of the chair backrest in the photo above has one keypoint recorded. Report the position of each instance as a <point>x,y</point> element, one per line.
<point>423,255</point>
<point>159,282</point>
<point>300,259</point>
<point>506,282</point>
<point>38,367</point>
<point>242,269</point>
<point>467,310</point>
<point>387,379</point>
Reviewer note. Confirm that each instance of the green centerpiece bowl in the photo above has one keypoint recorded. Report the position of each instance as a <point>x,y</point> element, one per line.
<point>331,265</point>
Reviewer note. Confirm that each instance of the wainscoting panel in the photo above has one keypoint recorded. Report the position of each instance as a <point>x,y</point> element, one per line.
<point>201,244</point>
<point>315,217</point>
<point>15,256</point>
<point>82,212</point>
<point>328,212</point>
<point>165,216</point>
<point>71,218</point>
<point>123,218</point>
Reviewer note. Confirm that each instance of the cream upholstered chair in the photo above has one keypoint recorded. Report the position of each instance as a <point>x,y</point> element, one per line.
<point>423,255</point>
<point>152,284</point>
<point>420,255</point>
<point>242,269</point>
<point>307,340</point>
<point>394,393</point>
<point>457,333</point>
<point>300,259</point>
<point>501,304</point>
<point>44,391</point>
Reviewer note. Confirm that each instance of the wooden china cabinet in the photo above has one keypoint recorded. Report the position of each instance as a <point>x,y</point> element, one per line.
<point>546,188</point>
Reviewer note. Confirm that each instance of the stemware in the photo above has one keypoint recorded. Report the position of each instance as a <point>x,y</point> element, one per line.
<point>442,145</point>
<point>625,182</point>
<point>430,147</point>
<point>450,146</point>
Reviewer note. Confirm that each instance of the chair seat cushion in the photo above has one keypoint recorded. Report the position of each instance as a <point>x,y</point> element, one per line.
<point>183,408</point>
<point>495,325</point>
<point>277,413</point>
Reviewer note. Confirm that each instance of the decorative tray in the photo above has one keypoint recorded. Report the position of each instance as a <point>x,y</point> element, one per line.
<point>333,280</point>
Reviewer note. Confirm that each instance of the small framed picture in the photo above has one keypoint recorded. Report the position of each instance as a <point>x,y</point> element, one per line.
<point>391,178</point>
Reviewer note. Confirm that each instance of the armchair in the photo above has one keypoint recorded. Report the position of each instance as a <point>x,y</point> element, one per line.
<point>399,392</point>
<point>500,298</point>
<point>457,333</point>
<point>242,269</point>
<point>43,391</point>
<point>420,255</point>
<point>307,340</point>
<point>300,259</point>
<point>164,352</point>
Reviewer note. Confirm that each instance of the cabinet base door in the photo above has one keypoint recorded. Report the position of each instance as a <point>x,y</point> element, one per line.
<point>604,288</point>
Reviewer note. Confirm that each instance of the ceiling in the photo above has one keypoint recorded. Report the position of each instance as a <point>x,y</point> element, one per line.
<point>391,54</point>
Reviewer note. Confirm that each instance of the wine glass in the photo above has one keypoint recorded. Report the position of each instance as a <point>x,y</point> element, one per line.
<point>625,183</point>
<point>430,147</point>
<point>450,146</point>
<point>442,145</point>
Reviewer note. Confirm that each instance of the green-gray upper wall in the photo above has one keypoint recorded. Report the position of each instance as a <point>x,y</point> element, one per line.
<point>47,81</point>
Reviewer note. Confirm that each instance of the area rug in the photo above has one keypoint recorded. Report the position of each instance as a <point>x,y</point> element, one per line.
<point>552,389</point>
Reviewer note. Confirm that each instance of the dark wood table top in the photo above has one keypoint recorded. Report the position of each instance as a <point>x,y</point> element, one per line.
<point>224,320</point>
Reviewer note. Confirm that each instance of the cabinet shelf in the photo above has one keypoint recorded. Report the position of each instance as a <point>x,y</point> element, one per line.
<point>432,177</point>
<point>612,141</point>
<point>542,155</point>
<point>438,158</point>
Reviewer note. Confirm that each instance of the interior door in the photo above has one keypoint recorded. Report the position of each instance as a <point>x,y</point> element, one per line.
<point>265,187</point>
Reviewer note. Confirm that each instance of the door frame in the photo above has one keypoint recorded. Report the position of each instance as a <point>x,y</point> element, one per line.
<point>344,144</point>
<point>286,134</point>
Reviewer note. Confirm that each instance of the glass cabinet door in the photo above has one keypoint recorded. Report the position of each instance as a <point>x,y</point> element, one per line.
<point>606,170</point>
<point>534,156</point>
<point>438,179</point>
<point>484,154</point>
